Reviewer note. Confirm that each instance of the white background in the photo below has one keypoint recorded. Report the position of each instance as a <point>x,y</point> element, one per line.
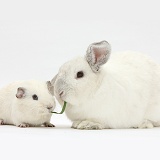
<point>36,37</point>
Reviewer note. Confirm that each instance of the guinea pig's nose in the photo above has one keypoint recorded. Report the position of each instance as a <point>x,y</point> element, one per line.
<point>49,107</point>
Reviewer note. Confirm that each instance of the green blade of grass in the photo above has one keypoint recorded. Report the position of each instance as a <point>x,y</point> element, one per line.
<point>63,109</point>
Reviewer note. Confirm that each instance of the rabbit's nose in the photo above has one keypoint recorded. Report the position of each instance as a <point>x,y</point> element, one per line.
<point>61,93</point>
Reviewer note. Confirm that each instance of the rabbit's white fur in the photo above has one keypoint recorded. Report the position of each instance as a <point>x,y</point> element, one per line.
<point>24,111</point>
<point>123,93</point>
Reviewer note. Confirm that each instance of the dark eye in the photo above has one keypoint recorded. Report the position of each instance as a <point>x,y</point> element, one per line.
<point>80,74</point>
<point>35,97</point>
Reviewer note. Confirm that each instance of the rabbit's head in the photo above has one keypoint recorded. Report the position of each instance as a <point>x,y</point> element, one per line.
<point>77,79</point>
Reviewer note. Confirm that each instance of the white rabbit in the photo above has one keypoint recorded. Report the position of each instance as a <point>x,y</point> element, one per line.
<point>123,93</point>
<point>26,103</point>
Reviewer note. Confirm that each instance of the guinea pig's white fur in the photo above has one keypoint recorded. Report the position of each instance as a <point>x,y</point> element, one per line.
<point>123,93</point>
<point>18,107</point>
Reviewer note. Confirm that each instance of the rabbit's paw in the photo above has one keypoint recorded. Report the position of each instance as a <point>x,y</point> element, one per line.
<point>88,125</point>
<point>75,124</point>
<point>146,124</point>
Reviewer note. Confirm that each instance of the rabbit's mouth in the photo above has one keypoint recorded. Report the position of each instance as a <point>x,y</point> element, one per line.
<point>46,109</point>
<point>61,100</point>
<point>64,96</point>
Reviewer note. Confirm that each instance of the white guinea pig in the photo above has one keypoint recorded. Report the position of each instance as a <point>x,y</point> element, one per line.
<point>122,93</point>
<point>27,103</point>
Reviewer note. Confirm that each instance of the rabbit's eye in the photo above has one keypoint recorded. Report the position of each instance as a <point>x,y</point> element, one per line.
<point>35,97</point>
<point>80,74</point>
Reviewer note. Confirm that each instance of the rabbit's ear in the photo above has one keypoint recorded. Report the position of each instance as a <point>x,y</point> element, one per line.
<point>98,54</point>
<point>54,79</point>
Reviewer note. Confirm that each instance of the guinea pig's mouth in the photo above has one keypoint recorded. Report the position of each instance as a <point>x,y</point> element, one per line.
<point>46,109</point>
<point>50,110</point>
<point>44,112</point>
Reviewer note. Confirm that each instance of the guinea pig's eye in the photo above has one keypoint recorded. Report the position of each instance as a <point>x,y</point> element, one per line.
<point>80,74</point>
<point>35,97</point>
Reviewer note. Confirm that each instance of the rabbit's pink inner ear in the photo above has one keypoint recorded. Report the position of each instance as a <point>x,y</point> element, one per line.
<point>20,92</point>
<point>99,53</point>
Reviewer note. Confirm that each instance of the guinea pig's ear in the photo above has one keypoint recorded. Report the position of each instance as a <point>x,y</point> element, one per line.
<point>98,54</point>
<point>20,92</point>
<point>50,87</point>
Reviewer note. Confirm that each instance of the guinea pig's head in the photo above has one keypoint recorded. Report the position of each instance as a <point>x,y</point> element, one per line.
<point>35,97</point>
<point>77,79</point>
